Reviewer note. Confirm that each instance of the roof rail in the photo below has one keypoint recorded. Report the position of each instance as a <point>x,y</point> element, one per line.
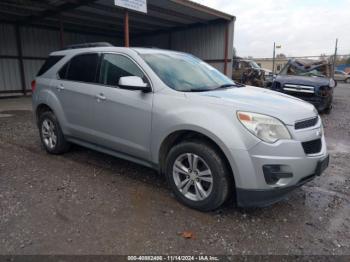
<point>87,45</point>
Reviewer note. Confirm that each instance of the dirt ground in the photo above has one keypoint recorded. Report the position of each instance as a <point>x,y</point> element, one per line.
<point>86,202</point>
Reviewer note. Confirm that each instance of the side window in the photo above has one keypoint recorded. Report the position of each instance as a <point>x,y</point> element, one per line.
<point>114,66</point>
<point>63,71</point>
<point>50,62</point>
<point>82,68</point>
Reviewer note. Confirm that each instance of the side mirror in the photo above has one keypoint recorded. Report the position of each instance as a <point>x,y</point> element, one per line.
<point>133,83</point>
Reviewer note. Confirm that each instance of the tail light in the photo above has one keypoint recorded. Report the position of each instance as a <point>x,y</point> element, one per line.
<point>33,84</point>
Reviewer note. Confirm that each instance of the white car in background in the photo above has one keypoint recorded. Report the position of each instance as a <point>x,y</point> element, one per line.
<point>341,76</point>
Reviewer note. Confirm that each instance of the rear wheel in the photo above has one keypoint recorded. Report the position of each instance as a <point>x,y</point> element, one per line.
<point>51,134</point>
<point>198,175</point>
<point>347,80</point>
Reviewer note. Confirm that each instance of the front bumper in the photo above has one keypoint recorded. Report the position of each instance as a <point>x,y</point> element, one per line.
<point>262,198</point>
<point>320,102</point>
<point>253,189</point>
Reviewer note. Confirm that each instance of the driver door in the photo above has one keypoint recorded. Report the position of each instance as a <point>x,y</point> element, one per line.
<point>122,117</point>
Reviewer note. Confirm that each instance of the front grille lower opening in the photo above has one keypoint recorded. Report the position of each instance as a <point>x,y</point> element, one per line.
<point>312,147</point>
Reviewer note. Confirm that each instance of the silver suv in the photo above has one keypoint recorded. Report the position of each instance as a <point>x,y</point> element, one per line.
<point>211,137</point>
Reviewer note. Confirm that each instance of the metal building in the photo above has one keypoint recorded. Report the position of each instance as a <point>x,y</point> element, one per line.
<point>30,30</point>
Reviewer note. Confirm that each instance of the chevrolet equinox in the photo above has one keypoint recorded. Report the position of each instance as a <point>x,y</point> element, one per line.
<point>211,137</point>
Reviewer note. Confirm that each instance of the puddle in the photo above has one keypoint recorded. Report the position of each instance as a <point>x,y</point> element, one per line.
<point>5,115</point>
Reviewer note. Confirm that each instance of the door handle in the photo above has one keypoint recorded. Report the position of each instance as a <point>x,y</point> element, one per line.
<point>101,97</point>
<point>60,87</point>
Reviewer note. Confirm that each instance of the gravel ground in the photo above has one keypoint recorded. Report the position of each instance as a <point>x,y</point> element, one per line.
<point>86,202</point>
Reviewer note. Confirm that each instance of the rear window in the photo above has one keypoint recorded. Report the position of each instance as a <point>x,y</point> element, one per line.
<point>83,68</point>
<point>50,62</point>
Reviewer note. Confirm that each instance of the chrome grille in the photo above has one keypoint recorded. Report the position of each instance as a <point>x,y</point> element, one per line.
<point>299,88</point>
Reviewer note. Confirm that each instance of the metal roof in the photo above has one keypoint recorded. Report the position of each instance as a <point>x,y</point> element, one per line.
<point>101,16</point>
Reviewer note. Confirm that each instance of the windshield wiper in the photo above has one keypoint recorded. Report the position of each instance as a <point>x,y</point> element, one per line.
<point>228,85</point>
<point>196,90</point>
<point>212,89</point>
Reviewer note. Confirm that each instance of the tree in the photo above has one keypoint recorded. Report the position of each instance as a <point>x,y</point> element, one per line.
<point>348,61</point>
<point>234,52</point>
<point>281,55</point>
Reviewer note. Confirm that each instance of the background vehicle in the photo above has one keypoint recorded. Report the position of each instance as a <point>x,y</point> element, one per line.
<point>173,112</point>
<point>248,72</point>
<point>341,76</point>
<point>308,80</point>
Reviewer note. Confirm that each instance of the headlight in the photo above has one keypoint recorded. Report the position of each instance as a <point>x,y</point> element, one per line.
<point>267,128</point>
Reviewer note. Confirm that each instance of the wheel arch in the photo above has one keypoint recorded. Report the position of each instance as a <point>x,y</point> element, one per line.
<point>46,99</point>
<point>178,136</point>
<point>41,108</point>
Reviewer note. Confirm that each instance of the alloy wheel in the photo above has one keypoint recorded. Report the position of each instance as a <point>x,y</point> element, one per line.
<point>48,133</point>
<point>192,176</point>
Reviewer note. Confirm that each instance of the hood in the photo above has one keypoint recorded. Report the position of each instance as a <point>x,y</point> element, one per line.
<point>303,80</point>
<point>259,100</point>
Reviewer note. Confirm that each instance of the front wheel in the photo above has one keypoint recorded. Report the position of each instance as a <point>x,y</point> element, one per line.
<point>198,175</point>
<point>347,80</point>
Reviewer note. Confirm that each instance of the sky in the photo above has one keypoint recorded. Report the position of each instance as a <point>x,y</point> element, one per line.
<point>301,27</point>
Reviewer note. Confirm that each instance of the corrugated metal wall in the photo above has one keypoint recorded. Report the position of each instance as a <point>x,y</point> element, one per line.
<point>206,42</point>
<point>37,43</point>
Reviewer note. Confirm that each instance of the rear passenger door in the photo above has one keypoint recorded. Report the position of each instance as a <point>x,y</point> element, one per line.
<point>122,117</point>
<point>76,91</point>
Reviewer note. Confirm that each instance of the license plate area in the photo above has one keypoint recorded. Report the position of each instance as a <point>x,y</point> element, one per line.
<point>322,166</point>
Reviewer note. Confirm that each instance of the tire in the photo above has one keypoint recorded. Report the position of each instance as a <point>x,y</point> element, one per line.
<point>347,80</point>
<point>207,158</point>
<point>328,110</point>
<point>51,135</point>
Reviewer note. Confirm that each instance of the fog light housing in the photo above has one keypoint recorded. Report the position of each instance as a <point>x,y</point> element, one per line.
<point>273,173</point>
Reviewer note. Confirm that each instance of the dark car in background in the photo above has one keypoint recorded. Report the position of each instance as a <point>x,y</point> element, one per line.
<point>248,72</point>
<point>309,80</point>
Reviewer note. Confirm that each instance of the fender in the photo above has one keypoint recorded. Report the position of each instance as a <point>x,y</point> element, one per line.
<point>48,97</point>
<point>193,118</point>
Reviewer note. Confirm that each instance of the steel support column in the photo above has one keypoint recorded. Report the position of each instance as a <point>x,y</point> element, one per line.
<point>61,32</point>
<point>126,28</point>
<point>20,58</point>
<point>226,48</point>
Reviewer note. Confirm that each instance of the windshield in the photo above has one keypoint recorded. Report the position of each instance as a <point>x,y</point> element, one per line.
<point>315,72</point>
<point>307,68</point>
<point>254,65</point>
<point>186,73</point>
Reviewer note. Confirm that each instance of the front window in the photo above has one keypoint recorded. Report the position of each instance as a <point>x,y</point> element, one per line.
<point>115,66</point>
<point>185,73</point>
